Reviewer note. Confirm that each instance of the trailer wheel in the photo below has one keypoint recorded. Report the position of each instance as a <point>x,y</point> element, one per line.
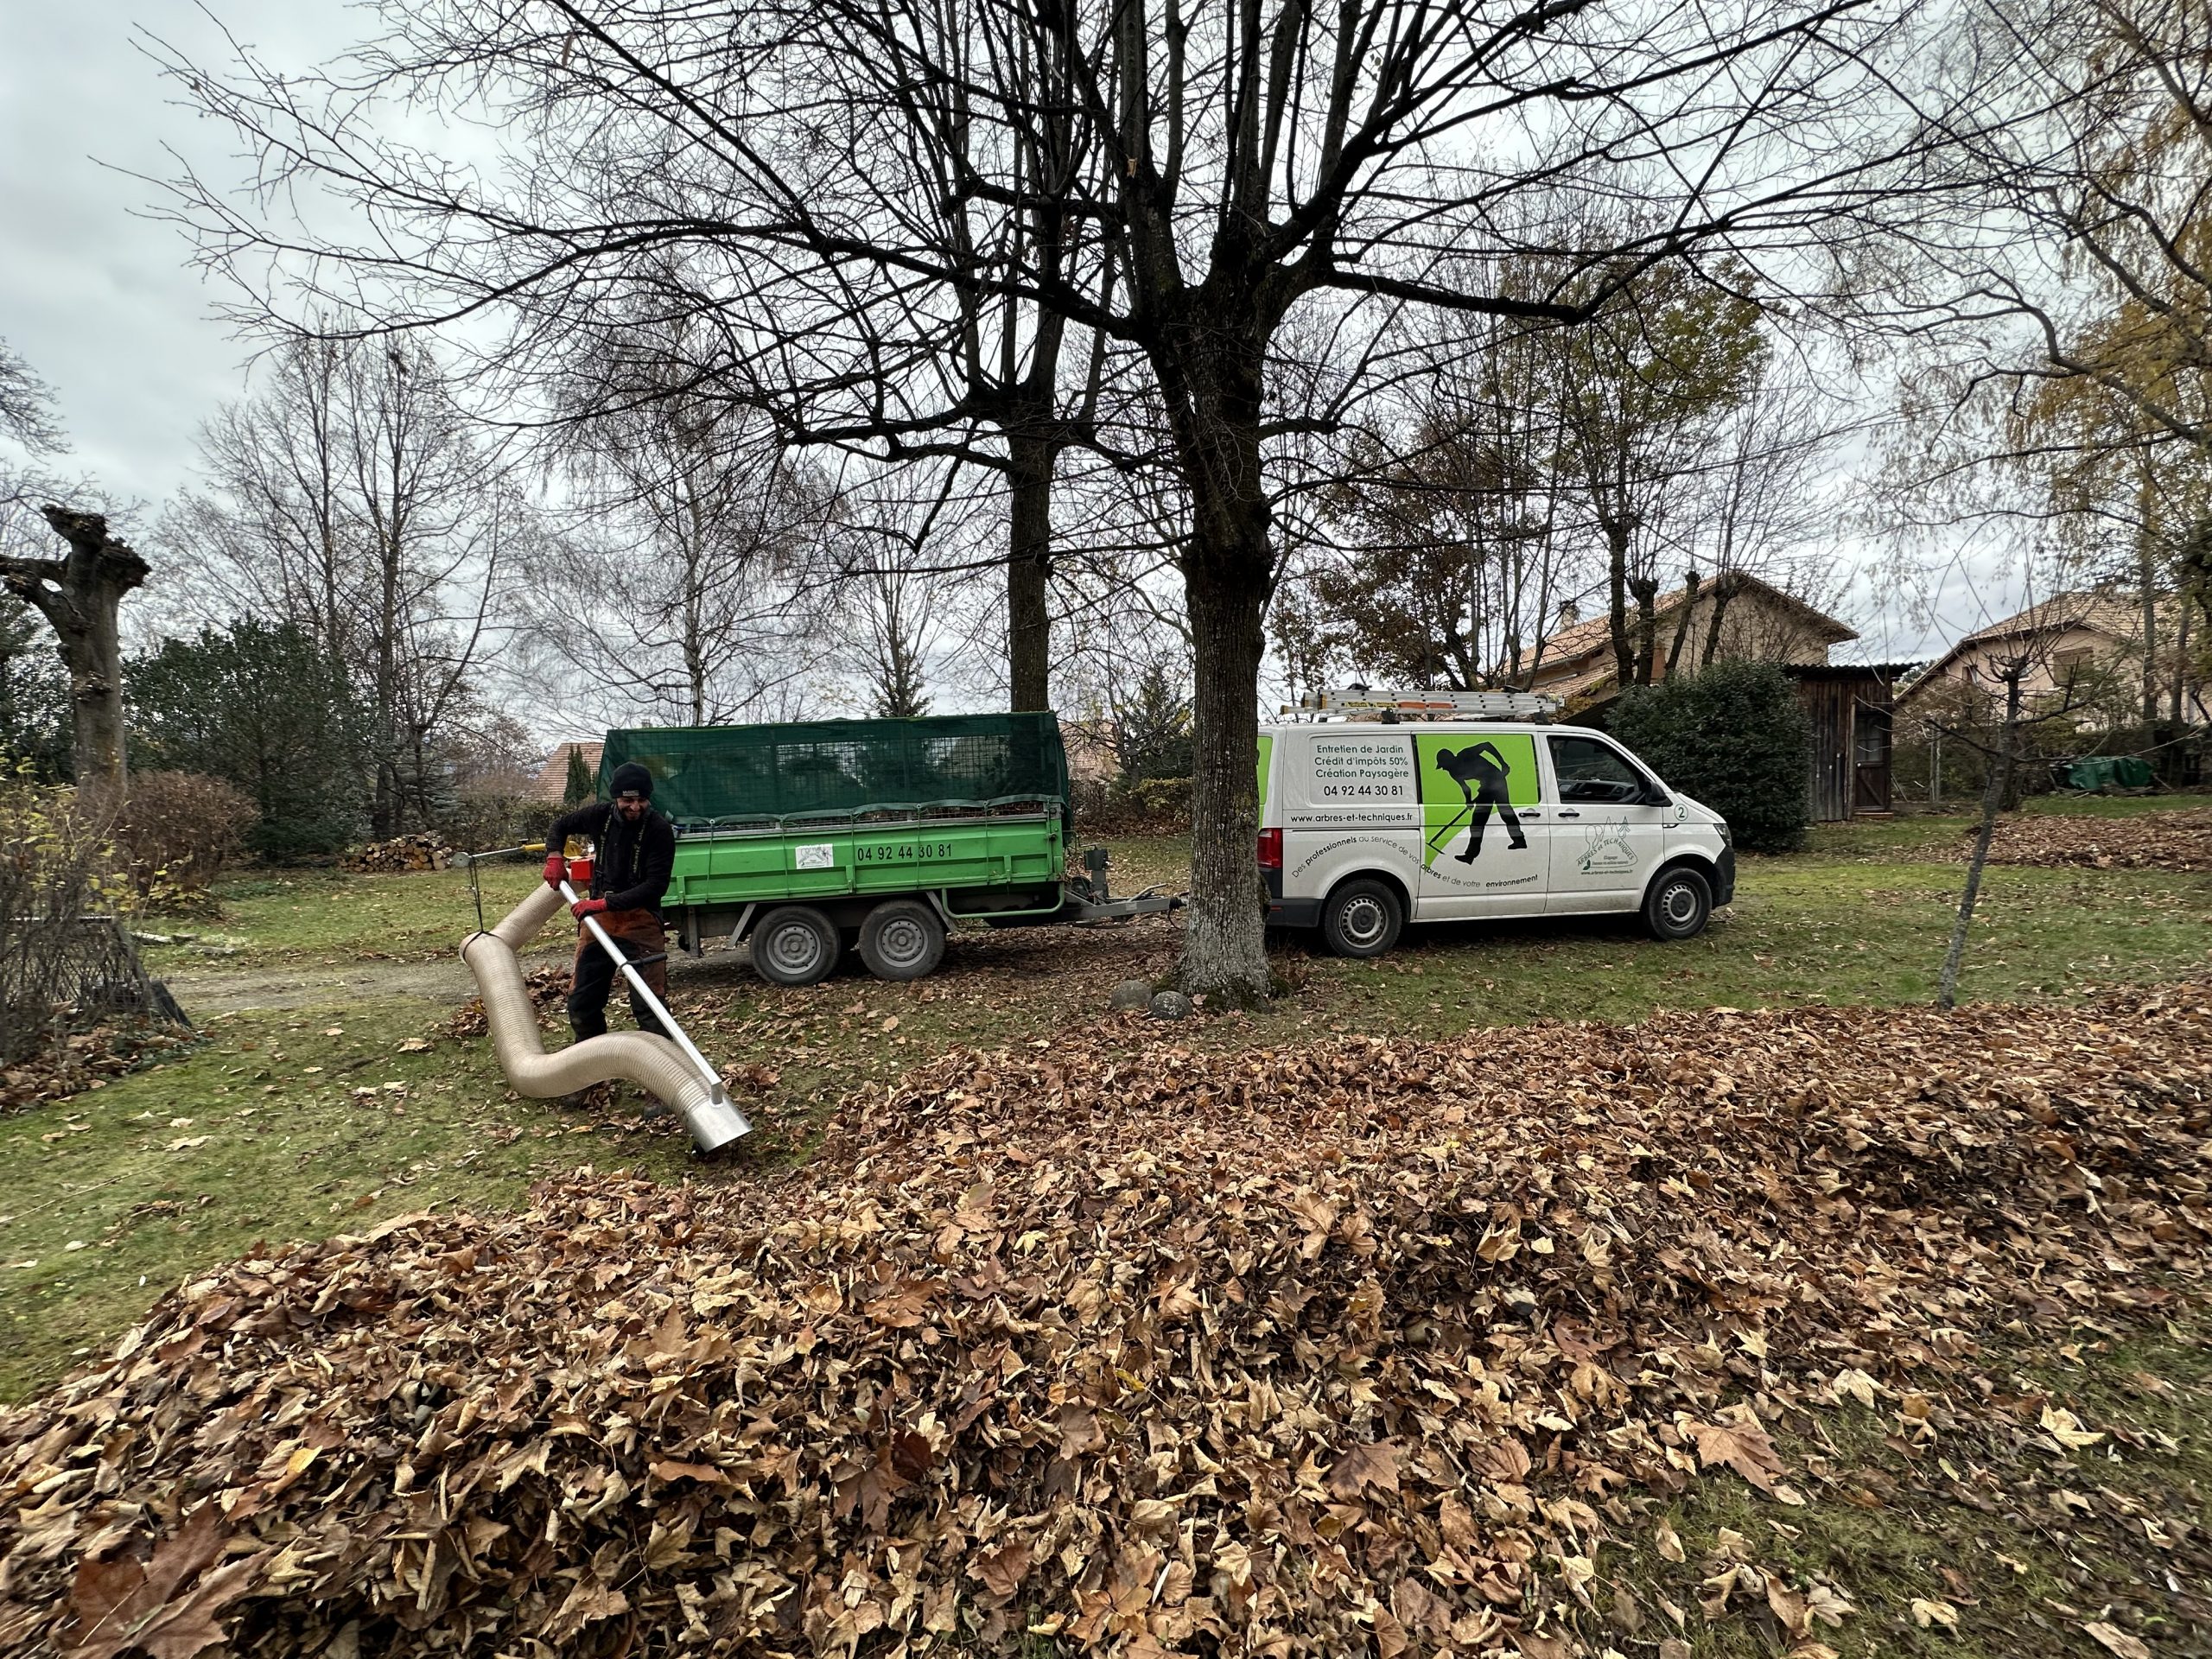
<point>795,945</point>
<point>902,938</point>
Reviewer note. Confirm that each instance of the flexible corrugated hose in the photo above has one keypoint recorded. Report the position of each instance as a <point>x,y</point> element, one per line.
<point>643,1058</point>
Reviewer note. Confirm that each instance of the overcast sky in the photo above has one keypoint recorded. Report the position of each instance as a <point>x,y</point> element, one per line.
<point>99,296</point>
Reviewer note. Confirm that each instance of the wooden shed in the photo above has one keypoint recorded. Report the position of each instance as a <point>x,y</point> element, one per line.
<point>1850,705</point>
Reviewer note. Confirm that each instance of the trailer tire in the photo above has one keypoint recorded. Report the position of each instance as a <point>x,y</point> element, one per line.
<point>795,944</point>
<point>902,938</point>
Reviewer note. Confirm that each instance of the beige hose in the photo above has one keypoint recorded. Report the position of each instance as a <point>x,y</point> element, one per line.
<point>643,1058</point>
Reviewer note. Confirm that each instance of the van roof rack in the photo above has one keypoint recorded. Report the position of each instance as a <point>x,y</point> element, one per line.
<point>1427,705</point>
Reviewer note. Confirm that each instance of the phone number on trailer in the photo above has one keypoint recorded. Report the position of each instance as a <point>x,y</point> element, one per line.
<point>904,852</point>
<point>1365,793</point>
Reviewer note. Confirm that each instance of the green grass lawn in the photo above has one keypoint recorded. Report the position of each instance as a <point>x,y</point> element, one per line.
<point>303,1138</point>
<point>318,915</point>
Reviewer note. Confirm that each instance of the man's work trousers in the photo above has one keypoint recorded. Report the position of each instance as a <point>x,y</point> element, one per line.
<point>1483,810</point>
<point>639,934</point>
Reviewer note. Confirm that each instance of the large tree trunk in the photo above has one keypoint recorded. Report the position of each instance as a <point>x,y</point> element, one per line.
<point>1228,578</point>
<point>1616,535</point>
<point>80,596</point>
<point>1225,948</point>
<point>1028,573</point>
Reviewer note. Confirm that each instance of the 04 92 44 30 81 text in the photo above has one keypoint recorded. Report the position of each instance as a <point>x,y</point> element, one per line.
<point>901,852</point>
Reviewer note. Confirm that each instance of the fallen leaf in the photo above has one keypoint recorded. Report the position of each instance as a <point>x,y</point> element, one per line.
<point>1372,1465</point>
<point>1927,1613</point>
<point>1742,1447</point>
<point>2066,1428</point>
<point>2117,1641</point>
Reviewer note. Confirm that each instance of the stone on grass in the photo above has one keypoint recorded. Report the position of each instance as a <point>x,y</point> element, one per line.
<point>1132,994</point>
<point>1171,1005</point>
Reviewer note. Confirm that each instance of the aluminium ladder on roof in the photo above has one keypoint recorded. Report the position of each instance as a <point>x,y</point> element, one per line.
<point>1429,705</point>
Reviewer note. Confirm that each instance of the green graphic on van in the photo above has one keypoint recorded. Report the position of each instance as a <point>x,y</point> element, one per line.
<point>1267,754</point>
<point>1465,779</point>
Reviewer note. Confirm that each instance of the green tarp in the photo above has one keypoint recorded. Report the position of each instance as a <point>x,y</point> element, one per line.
<point>2109,771</point>
<point>705,774</point>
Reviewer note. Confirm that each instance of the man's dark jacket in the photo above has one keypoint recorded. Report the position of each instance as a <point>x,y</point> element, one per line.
<point>632,869</point>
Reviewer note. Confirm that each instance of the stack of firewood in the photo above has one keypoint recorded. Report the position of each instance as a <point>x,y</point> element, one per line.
<point>401,855</point>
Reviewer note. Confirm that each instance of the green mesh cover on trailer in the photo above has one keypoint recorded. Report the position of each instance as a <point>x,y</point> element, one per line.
<point>706,774</point>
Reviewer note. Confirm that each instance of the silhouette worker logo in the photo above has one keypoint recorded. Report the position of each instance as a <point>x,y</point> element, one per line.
<point>1482,774</point>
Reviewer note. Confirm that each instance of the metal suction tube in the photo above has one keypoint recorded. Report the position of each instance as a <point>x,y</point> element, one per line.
<point>676,1071</point>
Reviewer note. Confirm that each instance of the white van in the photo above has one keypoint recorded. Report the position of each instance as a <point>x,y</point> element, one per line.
<point>1364,828</point>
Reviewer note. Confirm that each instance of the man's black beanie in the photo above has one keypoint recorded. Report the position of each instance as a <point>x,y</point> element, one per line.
<point>630,778</point>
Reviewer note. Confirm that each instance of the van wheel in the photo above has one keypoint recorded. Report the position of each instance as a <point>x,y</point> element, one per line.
<point>1679,904</point>
<point>1362,918</point>
<point>795,945</point>
<point>902,938</point>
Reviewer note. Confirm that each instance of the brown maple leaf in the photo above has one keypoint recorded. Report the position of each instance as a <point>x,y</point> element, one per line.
<point>1374,1464</point>
<point>1003,1570</point>
<point>1744,1446</point>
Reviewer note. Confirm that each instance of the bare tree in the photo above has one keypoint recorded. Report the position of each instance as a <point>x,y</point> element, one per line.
<point>1216,169</point>
<point>682,584</point>
<point>1996,721</point>
<point>27,417</point>
<point>2070,244</point>
<point>80,596</point>
<point>81,592</point>
<point>352,497</point>
<point>1444,561</point>
<point>1645,393</point>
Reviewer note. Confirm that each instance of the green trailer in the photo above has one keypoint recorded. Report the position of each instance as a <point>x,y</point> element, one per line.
<point>806,839</point>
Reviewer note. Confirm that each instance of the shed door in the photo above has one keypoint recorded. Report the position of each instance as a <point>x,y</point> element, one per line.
<point>1870,771</point>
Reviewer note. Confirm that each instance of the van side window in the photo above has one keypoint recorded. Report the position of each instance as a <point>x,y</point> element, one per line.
<point>1594,772</point>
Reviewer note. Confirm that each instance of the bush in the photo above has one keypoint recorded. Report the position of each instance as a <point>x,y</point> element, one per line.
<point>34,718</point>
<point>56,869</point>
<point>176,831</point>
<point>479,821</point>
<point>260,705</point>
<point>1735,737</point>
<point>1154,806</point>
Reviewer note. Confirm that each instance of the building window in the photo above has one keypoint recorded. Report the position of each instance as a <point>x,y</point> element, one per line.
<point>1870,737</point>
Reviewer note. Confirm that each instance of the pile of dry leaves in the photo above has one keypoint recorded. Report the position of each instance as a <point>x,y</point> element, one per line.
<point>2151,840</point>
<point>86,1060</point>
<point>1360,1347</point>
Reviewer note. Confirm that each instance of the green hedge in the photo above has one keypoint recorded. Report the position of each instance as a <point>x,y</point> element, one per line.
<point>1735,737</point>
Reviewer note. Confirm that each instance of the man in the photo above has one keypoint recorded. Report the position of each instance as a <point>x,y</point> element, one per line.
<point>1481,772</point>
<point>636,851</point>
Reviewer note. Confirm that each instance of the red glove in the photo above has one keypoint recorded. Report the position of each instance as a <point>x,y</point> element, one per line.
<point>556,870</point>
<point>584,907</point>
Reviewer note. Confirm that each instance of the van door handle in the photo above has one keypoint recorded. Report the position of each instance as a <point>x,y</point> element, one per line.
<point>1570,815</point>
